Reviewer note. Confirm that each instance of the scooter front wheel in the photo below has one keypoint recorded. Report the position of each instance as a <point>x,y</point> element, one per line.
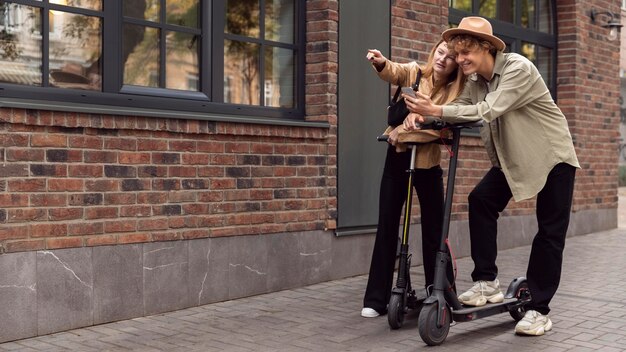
<point>395,313</point>
<point>432,334</point>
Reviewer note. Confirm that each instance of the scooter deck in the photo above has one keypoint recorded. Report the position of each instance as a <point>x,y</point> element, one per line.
<point>472,313</point>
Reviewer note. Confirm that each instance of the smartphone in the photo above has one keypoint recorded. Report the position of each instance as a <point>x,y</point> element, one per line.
<point>408,91</point>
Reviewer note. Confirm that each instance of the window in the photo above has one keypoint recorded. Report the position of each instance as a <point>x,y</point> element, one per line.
<point>526,26</point>
<point>220,56</point>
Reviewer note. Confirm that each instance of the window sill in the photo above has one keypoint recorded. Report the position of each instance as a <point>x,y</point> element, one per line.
<point>156,113</point>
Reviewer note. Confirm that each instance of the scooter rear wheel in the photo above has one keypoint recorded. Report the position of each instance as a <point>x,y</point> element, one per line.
<point>395,313</point>
<point>522,293</point>
<point>432,334</point>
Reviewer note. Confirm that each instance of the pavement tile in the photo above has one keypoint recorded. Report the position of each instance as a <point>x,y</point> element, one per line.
<point>325,316</point>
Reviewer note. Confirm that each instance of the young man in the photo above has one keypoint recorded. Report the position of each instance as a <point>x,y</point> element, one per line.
<point>532,153</point>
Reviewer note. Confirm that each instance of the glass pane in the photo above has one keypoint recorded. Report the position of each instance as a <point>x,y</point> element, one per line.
<point>183,12</point>
<point>241,72</point>
<point>181,70</point>
<point>506,11</point>
<point>75,48</point>
<point>20,44</point>
<point>143,9</point>
<point>279,20</point>
<point>528,14</point>
<point>487,8</point>
<point>544,63</point>
<point>85,4</point>
<point>242,17</point>
<point>545,16</point>
<point>141,55</point>
<point>463,5</point>
<point>279,77</point>
<point>528,50</point>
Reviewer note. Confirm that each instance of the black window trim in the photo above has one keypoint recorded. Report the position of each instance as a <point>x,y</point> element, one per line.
<point>511,32</point>
<point>172,102</point>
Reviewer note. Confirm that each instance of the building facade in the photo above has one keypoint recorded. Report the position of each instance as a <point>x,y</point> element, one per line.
<point>157,155</point>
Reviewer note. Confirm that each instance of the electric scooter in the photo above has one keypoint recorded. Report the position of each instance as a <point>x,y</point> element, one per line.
<point>442,306</point>
<point>403,296</point>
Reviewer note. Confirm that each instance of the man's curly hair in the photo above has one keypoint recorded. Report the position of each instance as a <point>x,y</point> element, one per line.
<point>470,42</point>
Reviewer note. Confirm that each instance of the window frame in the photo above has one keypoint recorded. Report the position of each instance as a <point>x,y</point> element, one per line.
<point>513,34</point>
<point>208,100</point>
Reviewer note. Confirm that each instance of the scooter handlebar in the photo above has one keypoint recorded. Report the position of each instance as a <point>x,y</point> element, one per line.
<point>439,125</point>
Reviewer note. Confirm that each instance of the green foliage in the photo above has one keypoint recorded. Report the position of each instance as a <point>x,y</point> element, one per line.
<point>622,176</point>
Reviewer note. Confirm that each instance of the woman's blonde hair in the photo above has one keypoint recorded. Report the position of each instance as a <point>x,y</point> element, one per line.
<point>450,88</point>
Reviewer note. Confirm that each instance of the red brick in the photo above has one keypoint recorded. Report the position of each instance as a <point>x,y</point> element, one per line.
<point>100,240</point>
<point>64,242</point>
<point>24,154</point>
<point>24,245</point>
<point>85,142</point>
<point>133,238</point>
<point>13,200</point>
<point>136,211</point>
<point>102,185</point>
<point>101,213</point>
<point>85,171</point>
<point>25,215</point>
<point>65,185</point>
<point>195,159</point>
<point>151,144</point>
<point>58,214</point>
<point>48,140</point>
<point>48,230</point>
<point>120,144</point>
<point>192,234</point>
<point>166,236</point>
<point>13,140</point>
<point>28,185</point>
<point>152,224</point>
<point>182,146</point>
<point>85,228</point>
<point>120,198</point>
<point>13,232</point>
<point>133,158</point>
<point>100,157</point>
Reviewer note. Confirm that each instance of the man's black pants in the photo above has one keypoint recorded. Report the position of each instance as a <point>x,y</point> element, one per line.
<point>554,203</point>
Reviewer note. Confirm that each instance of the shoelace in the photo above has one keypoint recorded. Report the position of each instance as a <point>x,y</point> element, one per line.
<point>480,286</point>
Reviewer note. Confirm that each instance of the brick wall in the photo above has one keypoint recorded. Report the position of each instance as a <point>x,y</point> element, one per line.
<point>322,61</point>
<point>72,180</point>
<point>588,93</point>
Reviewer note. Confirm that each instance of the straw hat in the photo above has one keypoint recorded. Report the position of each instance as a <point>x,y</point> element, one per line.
<point>478,27</point>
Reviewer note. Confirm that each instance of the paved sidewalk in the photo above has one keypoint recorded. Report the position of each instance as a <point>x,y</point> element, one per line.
<point>589,314</point>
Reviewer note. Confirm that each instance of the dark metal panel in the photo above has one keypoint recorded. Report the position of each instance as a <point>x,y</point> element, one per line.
<point>362,103</point>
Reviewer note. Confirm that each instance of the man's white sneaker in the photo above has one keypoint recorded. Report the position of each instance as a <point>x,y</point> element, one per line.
<point>369,313</point>
<point>481,293</point>
<point>534,324</point>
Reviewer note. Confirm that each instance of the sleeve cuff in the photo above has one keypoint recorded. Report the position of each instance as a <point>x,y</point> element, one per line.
<point>449,112</point>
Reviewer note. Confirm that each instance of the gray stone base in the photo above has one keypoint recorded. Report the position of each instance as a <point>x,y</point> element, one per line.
<point>49,291</point>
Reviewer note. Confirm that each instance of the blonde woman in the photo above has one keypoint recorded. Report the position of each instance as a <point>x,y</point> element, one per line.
<point>442,81</point>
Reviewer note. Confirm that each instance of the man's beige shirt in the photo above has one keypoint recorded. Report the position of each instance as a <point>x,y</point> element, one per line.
<point>525,133</point>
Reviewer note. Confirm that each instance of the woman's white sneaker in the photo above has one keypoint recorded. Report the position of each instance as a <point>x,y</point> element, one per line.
<point>369,313</point>
<point>534,324</point>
